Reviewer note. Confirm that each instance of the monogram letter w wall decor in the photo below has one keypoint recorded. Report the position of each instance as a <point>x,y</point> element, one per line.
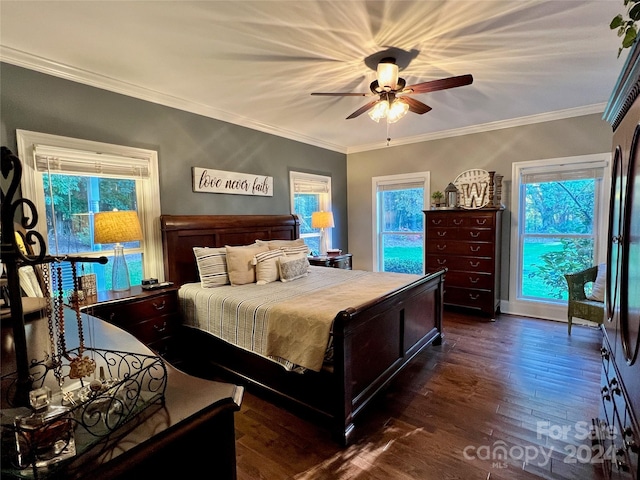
<point>219,181</point>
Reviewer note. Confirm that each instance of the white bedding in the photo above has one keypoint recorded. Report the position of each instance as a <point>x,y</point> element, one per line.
<point>290,322</point>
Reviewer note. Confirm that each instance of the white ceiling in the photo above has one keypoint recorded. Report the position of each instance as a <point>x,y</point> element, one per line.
<point>255,63</point>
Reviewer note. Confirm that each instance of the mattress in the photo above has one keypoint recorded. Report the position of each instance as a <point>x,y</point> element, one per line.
<point>287,322</point>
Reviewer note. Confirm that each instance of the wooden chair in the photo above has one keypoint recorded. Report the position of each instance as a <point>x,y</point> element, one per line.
<point>579,305</point>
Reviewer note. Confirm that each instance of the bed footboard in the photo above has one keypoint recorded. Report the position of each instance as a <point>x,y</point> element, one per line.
<point>373,343</point>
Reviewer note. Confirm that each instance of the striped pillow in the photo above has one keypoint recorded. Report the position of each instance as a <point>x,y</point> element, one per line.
<point>212,266</point>
<point>267,266</point>
<point>299,250</point>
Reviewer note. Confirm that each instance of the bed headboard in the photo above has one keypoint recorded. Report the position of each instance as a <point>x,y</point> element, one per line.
<point>180,233</point>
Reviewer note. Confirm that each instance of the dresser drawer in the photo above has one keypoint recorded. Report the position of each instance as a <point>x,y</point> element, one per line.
<point>456,262</point>
<point>154,329</point>
<point>460,219</point>
<point>453,247</point>
<point>126,313</point>
<point>468,297</point>
<point>468,280</point>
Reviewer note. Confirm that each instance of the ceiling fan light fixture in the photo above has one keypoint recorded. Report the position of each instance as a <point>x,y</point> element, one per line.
<point>387,76</point>
<point>379,111</point>
<point>398,109</point>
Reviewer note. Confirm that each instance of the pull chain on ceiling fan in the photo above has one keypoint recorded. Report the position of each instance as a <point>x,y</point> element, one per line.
<point>393,100</point>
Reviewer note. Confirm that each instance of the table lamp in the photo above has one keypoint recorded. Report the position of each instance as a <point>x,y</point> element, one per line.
<point>322,220</point>
<point>115,227</point>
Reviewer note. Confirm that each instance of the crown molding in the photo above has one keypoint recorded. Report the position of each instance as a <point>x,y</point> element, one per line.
<point>486,127</point>
<point>43,65</point>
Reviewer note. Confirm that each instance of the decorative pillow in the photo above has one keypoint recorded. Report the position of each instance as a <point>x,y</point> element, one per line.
<point>239,266</point>
<point>267,266</point>
<point>212,265</point>
<point>599,286</point>
<point>276,244</point>
<point>298,250</point>
<point>292,268</point>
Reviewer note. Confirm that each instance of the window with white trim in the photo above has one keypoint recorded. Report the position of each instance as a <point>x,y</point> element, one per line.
<point>559,224</point>
<point>69,180</point>
<point>310,193</point>
<point>398,236</point>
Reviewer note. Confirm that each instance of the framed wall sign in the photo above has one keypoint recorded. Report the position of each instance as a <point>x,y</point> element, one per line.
<point>219,181</point>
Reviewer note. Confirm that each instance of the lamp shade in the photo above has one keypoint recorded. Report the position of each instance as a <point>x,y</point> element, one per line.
<point>322,220</point>
<point>116,226</point>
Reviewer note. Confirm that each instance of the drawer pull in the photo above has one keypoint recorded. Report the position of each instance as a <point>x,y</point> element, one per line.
<point>436,222</point>
<point>605,393</point>
<point>474,296</point>
<point>159,328</point>
<point>604,353</point>
<point>159,306</point>
<point>442,234</point>
<point>457,221</point>
<point>441,247</point>
<point>474,248</point>
<point>474,264</point>
<point>441,261</point>
<point>472,280</point>
<point>481,221</point>
<point>474,234</point>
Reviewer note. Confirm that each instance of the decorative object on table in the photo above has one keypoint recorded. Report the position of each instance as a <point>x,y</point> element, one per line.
<point>473,188</point>
<point>38,425</point>
<point>451,193</point>
<point>88,284</point>
<point>322,220</point>
<point>437,197</point>
<point>332,252</point>
<point>117,226</point>
<point>497,198</point>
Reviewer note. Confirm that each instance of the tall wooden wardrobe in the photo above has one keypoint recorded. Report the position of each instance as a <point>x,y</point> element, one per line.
<point>618,428</point>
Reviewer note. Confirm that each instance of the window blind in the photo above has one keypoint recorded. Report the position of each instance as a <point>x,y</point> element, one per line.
<point>75,162</point>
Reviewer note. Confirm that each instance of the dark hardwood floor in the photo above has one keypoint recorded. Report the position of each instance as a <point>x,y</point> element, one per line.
<point>510,399</point>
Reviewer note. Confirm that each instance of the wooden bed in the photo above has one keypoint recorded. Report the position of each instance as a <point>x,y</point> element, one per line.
<point>371,343</point>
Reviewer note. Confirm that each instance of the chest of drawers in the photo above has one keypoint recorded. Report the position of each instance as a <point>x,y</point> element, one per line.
<point>467,243</point>
<point>336,261</point>
<point>152,316</point>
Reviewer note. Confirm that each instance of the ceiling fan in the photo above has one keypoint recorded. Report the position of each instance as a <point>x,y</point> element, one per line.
<point>393,100</point>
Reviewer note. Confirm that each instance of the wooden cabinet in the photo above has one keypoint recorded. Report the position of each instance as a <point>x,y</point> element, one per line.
<point>618,424</point>
<point>152,316</point>
<point>336,261</point>
<point>467,243</point>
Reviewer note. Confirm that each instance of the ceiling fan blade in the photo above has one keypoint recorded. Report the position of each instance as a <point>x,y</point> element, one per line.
<point>416,106</point>
<point>343,94</point>
<point>442,84</point>
<point>363,109</point>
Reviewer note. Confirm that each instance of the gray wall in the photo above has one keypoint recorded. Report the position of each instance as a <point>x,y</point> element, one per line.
<point>446,158</point>
<point>42,103</point>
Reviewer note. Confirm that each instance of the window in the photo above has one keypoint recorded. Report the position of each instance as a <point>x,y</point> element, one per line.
<point>559,227</point>
<point>310,193</point>
<point>398,204</point>
<point>69,180</point>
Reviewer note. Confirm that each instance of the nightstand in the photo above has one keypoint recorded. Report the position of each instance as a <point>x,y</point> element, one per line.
<point>336,261</point>
<point>152,316</point>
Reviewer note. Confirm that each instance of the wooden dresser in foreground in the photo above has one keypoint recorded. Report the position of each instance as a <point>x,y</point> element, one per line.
<point>467,243</point>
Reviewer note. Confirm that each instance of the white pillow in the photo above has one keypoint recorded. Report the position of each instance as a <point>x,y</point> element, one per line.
<point>600,285</point>
<point>292,268</point>
<point>212,266</point>
<point>267,266</point>
<point>241,270</point>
